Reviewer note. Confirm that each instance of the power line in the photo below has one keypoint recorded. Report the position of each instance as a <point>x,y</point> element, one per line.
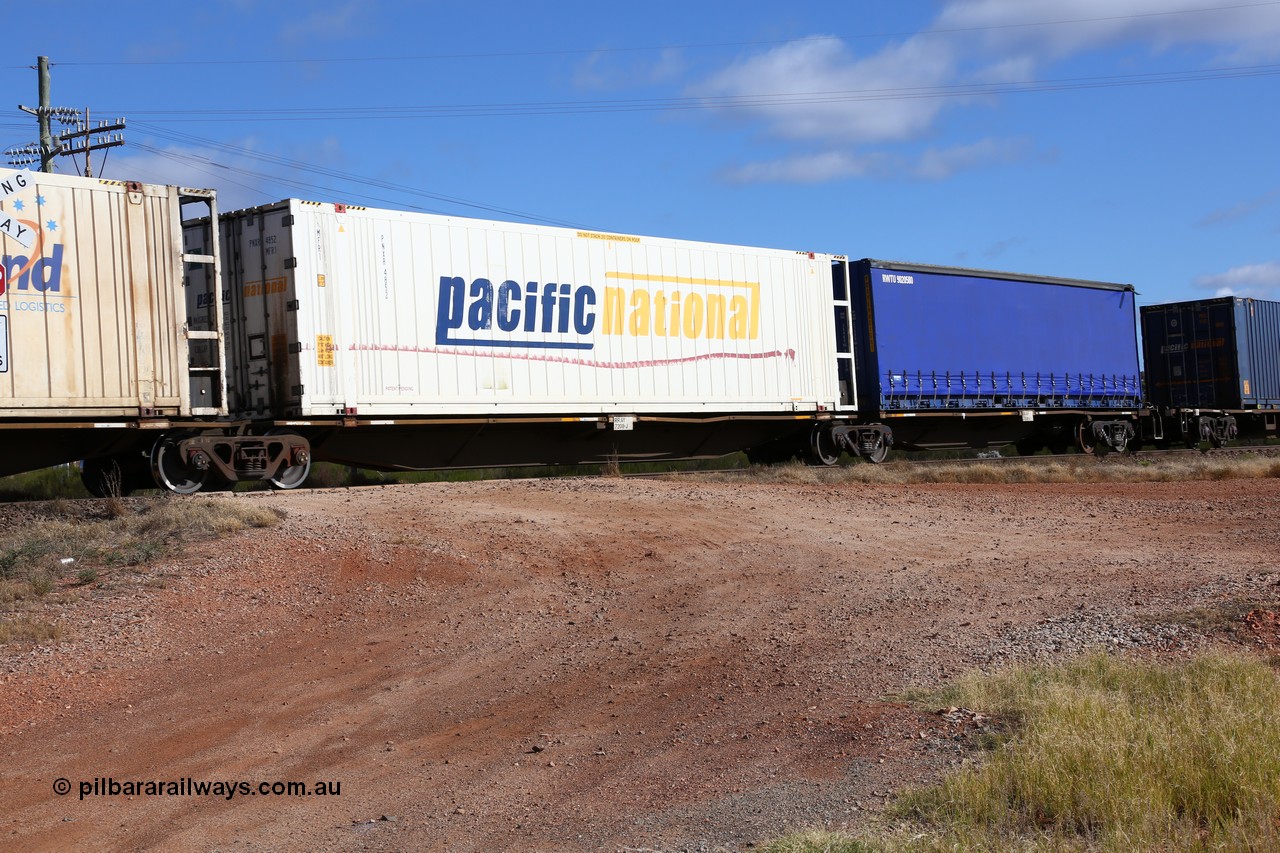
<point>646,48</point>
<point>771,99</point>
<point>302,166</point>
<point>224,173</point>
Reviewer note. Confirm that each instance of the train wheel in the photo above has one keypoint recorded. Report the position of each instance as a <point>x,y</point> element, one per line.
<point>1084,438</point>
<point>290,476</point>
<point>171,472</point>
<point>823,449</point>
<point>876,451</point>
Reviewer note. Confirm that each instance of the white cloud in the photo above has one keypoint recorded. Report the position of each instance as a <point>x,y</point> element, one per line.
<point>939,163</point>
<point>1246,208</point>
<point>1052,29</point>
<point>232,176</point>
<point>160,169</point>
<point>834,165</point>
<point>816,91</point>
<point>1260,281</point>
<point>809,168</point>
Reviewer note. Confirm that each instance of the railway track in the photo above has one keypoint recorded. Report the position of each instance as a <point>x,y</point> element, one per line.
<point>1101,458</point>
<point>1069,458</point>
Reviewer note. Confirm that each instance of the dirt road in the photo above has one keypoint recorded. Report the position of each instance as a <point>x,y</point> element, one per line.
<point>584,664</point>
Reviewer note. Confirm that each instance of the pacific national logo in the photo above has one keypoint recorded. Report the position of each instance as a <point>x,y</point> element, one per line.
<point>678,307</point>
<point>552,315</point>
<point>482,315</point>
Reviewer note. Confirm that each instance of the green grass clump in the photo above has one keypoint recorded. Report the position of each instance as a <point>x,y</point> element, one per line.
<point>1106,754</point>
<point>46,484</point>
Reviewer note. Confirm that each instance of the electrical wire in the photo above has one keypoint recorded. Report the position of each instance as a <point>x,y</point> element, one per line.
<point>646,48</point>
<point>346,177</point>
<point>701,102</point>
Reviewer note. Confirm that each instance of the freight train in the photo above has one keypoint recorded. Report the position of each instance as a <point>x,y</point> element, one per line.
<point>164,343</point>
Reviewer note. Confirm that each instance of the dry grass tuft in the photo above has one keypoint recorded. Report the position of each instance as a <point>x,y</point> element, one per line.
<point>1104,754</point>
<point>1083,470</point>
<point>36,555</point>
<point>1115,754</point>
<point>24,629</point>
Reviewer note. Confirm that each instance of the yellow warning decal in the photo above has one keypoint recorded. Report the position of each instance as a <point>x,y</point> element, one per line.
<point>271,285</point>
<point>324,350</point>
<point>620,238</point>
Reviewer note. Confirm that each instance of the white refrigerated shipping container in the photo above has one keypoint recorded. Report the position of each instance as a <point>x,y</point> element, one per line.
<point>347,311</point>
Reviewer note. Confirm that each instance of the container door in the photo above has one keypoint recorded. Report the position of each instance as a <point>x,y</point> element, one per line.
<point>844,336</point>
<point>1260,343</point>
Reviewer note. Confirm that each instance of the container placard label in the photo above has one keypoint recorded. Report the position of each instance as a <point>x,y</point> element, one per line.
<point>324,350</point>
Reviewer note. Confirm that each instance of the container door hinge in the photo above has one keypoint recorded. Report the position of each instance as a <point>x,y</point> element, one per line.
<point>287,220</point>
<point>291,305</point>
<point>290,263</point>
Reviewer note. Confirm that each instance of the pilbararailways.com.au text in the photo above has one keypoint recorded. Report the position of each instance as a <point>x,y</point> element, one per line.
<point>188,787</point>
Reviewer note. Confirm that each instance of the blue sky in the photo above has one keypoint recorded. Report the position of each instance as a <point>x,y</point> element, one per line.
<point>1120,140</point>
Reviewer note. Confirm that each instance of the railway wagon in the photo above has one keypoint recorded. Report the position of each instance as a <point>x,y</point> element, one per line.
<point>397,340</point>
<point>99,359</point>
<point>167,344</point>
<point>952,357</point>
<point>93,347</point>
<point>1213,368</point>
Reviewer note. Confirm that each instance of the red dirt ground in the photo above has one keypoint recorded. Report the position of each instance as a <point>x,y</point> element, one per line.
<point>588,664</point>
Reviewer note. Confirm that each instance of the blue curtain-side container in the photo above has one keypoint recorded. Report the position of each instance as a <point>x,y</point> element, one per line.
<point>939,338</point>
<point>1221,353</point>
